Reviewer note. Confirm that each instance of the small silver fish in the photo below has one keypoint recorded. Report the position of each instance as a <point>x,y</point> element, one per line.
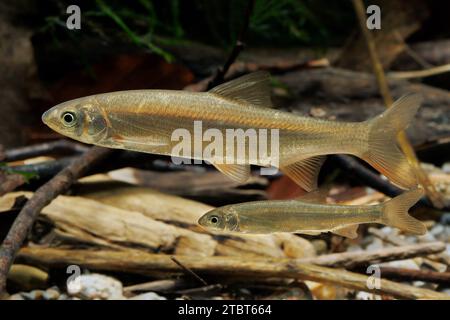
<point>304,216</point>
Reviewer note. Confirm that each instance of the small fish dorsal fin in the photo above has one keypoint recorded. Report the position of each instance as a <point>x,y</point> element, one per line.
<point>253,88</point>
<point>237,172</point>
<point>347,231</point>
<point>305,172</point>
<point>315,196</point>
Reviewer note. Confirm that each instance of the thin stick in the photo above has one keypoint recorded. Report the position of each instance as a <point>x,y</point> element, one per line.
<point>360,258</point>
<point>9,182</point>
<point>201,290</point>
<point>403,141</point>
<point>157,285</point>
<point>396,241</point>
<point>419,73</point>
<point>402,274</point>
<point>43,148</point>
<point>417,58</point>
<point>42,197</point>
<point>196,276</point>
<point>237,48</point>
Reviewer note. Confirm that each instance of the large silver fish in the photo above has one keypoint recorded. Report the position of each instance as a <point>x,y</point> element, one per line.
<point>144,120</point>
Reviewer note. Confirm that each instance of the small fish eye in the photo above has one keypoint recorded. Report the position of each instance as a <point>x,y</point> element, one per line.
<point>68,118</point>
<point>214,219</point>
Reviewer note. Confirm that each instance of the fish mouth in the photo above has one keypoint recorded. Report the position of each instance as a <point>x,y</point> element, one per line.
<point>44,117</point>
<point>202,221</point>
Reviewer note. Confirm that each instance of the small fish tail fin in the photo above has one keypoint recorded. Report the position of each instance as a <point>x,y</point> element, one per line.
<point>395,212</point>
<point>382,151</point>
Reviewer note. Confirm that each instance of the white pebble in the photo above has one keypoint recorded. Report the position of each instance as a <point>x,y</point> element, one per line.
<point>95,286</point>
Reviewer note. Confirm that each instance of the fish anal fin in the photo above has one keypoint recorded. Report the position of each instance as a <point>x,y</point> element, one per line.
<point>237,172</point>
<point>253,88</point>
<point>347,231</point>
<point>305,172</point>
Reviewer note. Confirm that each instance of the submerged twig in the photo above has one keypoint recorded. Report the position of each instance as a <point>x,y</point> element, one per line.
<point>396,241</point>
<point>353,259</point>
<point>419,73</point>
<point>42,197</point>
<point>158,286</point>
<point>43,148</point>
<point>402,274</point>
<point>9,182</point>
<point>196,276</point>
<point>237,48</point>
<point>373,180</point>
<point>403,141</point>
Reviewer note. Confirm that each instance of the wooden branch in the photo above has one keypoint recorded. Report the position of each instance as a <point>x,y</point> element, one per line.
<point>430,190</point>
<point>367,176</point>
<point>43,196</point>
<point>148,264</point>
<point>401,274</point>
<point>159,285</point>
<point>10,181</point>
<point>43,148</point>
<point>189,271</point>
<point>350,260</point>
<point>237,48</point>
<point>392,239</point>
<point>433,53</point>
<point>432,71</point>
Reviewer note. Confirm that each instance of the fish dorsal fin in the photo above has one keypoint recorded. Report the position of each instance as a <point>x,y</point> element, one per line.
<point>237,172</point>
<point>253,88</point>
<point>315,196</point>
<point>305,172</point>
<point>348,231</point>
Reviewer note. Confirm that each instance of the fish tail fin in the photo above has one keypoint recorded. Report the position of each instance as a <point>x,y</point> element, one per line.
<point>395,212</point>
<point>382,151</point>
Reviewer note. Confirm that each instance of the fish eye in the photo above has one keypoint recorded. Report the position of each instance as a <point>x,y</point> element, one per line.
<point>68,118</point>
<point>214,219</point>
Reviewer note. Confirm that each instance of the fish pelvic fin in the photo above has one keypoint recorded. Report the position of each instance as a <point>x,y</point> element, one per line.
<point>395,212</point>
<point>382,151</point>
<point>253,88</point>
<point>305,172</point>
<point>347,231</point>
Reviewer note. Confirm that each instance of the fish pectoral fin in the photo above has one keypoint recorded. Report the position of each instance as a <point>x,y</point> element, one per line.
<point>253,88</point>
<point>237,172</point>
<point>305,172</point>
<point>348,231</point>
<point>315,196</point>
